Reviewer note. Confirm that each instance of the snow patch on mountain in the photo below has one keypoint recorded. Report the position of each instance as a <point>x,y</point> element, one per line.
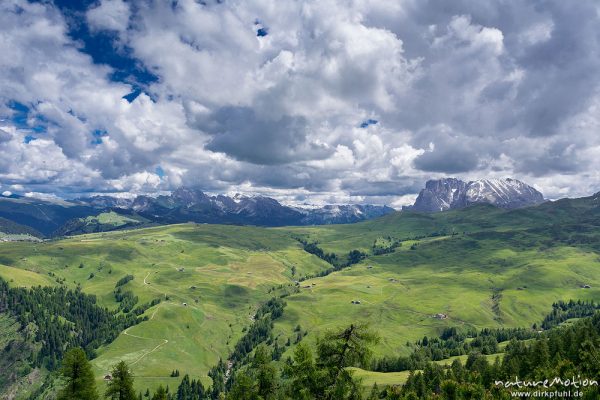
<point>451,193</point>
<point>188,204</point>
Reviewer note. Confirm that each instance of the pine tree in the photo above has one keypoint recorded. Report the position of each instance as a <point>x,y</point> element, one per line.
<point>349,347</point>
<point>264,371</point>
<point>303,374</point>
<point>161,394</point>
<point>190,389</point>
<point>374,395</point>
<point>121,386</point>
<point>78,376</point>
<point>243,388</point>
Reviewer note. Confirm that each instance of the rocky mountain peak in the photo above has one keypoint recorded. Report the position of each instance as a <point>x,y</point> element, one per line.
<point>451,193</point>
<point>190,204</point>
<point>187,196</point>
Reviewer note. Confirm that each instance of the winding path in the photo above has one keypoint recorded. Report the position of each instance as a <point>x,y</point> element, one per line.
<point>165,341</point>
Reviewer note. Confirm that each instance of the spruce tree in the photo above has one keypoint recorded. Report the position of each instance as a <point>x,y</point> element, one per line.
<point>374,394</point>
<point>78,376</point>
<point>121,386</point>
<point>264,372</point>
<point>305,382</point>
<point>161,394</point>
<point>243,388</point>
<point>338,350</point>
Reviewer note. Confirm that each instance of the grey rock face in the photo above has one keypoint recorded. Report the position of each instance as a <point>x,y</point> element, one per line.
<point>451,193</point>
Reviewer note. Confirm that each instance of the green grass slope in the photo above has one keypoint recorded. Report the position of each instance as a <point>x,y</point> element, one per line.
<point>10,229</point>
<point>210,278</point>
<point>482,266</point>
<point>103,222</point>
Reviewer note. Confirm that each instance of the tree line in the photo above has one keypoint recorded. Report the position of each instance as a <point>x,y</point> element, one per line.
<point>353,257</point>
<point>567,352</point>
<point>454,342</point>
<point>323,372</point>
<point>259,331</point>
<point>62,318</point>
<point>451,343</point>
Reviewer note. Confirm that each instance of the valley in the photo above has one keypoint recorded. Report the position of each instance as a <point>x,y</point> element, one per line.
<point>480,267</point>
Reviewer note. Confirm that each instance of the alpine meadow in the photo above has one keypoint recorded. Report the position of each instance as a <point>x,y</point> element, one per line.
<point>299,200</point>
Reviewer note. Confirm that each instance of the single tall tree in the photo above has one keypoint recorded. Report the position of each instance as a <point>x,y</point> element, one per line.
<point>338,350</point>
<point>78,376</point>
<point>121,385</point>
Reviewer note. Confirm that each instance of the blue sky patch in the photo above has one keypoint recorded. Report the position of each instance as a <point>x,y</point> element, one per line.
<point>25,118</point>
<point>28,139</point>
<point>98,134</point>
<point>101,45</point>
<point>368,122</point>
<point>20,114</point>
<point>133,95</point>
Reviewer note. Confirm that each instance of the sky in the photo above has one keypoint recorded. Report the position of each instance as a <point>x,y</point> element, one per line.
<point>325,101</point>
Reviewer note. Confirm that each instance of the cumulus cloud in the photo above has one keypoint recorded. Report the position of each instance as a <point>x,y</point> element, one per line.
<point>243,135</point>
<point>269,97</point>
<point>109,15</point>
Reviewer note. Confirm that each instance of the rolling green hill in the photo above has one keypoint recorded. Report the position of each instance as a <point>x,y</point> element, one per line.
<point>42,216</point>
<point>211,280</point>
<point>481,267</point>
<point>106,221</point>
<point>10,229</point>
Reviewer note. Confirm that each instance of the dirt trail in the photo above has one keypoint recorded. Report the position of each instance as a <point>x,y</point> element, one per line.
<point>146,283</point>
<point>165,341</point>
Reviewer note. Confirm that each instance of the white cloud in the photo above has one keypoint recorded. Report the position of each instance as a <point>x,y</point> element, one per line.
<point>109,15</point>
<point>469,89</point>
<point>138,182</point>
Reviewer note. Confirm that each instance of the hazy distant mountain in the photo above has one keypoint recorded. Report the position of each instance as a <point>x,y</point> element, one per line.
<point>8,228</point>
<point>95,214</point>
<point>42,215</point>
<point>186,204</point>
<point>343,214</point>
<point>451,193</point>
<point>107,202</point>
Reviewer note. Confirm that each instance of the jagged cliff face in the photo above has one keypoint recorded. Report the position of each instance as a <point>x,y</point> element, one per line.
<point>441,195</point>
<point>450,193</point>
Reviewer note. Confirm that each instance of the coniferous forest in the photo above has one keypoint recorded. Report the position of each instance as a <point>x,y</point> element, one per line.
<point>57,318</point>
<point>67,326</point>
<point>322,372</point>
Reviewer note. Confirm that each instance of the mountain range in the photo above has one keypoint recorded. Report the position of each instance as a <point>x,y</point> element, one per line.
<point>44,218</point>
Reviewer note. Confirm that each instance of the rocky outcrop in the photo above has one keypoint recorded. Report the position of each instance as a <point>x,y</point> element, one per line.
<point>451,193</point>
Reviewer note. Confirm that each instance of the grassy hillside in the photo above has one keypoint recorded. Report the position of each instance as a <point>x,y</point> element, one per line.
<point>482,267</point>
<point>42,216</point>
<point>106,221</point>
<point>10,228</point>
<point>210,278</point>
